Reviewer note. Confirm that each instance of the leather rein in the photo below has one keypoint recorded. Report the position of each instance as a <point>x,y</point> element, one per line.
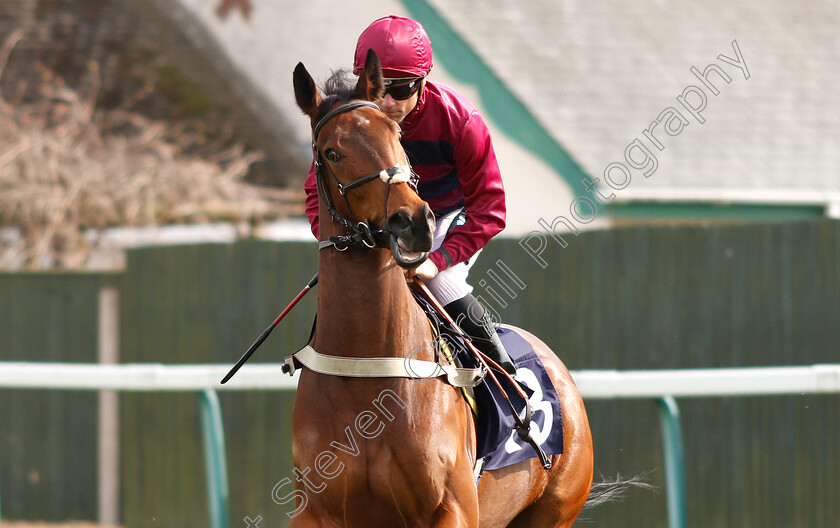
<point>361,234</point>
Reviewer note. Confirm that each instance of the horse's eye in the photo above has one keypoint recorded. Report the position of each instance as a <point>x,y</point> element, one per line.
<point>332,156</point>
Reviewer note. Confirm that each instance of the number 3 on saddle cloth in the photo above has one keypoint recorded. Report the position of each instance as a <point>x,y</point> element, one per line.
<point>498,444</point>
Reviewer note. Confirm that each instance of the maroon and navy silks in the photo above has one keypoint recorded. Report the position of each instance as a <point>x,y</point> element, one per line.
<point>449,147</point>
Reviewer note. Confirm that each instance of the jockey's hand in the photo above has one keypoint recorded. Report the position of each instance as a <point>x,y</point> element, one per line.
<point>426,270</point>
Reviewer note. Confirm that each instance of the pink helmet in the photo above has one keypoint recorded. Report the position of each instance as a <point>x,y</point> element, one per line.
<point>403,47</point>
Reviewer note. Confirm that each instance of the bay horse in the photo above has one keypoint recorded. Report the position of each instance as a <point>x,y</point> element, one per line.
<point>387,451</point>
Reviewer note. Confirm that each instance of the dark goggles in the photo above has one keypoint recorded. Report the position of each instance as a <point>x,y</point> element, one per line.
<point>402,89</point>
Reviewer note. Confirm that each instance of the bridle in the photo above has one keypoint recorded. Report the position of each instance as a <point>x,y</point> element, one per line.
<point>361,235</point>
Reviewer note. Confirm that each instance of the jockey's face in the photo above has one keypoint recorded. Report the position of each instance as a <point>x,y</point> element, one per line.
<point>398,109</point>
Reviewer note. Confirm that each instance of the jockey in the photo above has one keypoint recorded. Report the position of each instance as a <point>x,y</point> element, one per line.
<point>449,148</point>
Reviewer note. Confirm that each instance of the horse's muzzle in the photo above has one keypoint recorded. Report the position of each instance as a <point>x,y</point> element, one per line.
<point>411,236</point>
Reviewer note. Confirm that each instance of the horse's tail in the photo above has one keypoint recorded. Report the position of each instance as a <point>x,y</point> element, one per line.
<point>613,490</point>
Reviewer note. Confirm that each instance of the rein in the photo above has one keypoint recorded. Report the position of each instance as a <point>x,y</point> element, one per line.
<point>361,235</point>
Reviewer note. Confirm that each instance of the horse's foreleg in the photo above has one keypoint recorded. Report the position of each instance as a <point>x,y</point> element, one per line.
<point>459,508</point>
<point>305,519</point>
<point>456,517</point>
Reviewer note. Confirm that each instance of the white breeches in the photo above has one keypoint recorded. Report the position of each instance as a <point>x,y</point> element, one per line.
<point>450,284</point>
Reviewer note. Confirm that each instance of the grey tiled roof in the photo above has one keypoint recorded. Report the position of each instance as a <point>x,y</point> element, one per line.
<point>596,74</point>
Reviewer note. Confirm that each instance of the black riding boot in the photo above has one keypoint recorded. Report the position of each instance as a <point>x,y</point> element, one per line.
<point>473,319</point>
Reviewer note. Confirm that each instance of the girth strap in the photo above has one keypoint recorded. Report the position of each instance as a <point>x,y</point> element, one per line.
<point>383,368</point>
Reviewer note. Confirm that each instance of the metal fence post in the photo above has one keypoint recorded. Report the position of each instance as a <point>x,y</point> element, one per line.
<point>215,460</point>
<point>669,416</point>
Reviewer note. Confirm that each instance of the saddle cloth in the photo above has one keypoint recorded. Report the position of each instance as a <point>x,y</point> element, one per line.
<point>497,442</point>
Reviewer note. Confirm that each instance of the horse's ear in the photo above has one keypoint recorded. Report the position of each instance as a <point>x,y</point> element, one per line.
<point>306,94</point>
<point>370,86</point>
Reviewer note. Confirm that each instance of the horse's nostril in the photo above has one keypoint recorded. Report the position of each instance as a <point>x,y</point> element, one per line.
<point>400,223</point>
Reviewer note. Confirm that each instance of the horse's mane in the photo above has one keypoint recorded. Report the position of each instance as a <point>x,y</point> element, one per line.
<point>340,87</point>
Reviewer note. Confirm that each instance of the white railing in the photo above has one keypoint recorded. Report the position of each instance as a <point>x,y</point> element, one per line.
<point>141,377</point>
<point>593,384</point>
<point>663,386</point>
<point>704,383</point>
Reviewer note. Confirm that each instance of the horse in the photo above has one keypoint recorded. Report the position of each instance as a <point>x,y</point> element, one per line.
<point>394,451</point>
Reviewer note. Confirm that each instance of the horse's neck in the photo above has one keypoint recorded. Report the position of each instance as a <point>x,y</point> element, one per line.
<point>365,308</point>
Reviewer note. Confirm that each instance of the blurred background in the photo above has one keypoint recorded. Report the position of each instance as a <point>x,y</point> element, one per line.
<point>673,182</point>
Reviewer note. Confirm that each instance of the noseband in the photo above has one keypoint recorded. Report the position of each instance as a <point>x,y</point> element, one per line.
<point>361,233</point>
